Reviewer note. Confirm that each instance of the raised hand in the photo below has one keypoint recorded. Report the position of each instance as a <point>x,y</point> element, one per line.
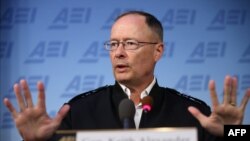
<point>227,112</point>
<point>32,121</point>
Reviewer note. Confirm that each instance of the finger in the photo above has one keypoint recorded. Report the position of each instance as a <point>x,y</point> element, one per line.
<point>27,93</point>
<point>198,115</point>
<point>213,94</point>
<point>61,114</point>
<point>233,98</point>
<point>226,98</point>
<point>41,95</point>
<point>11,108</point>
<point>245,100</point>
<point>19,97</point>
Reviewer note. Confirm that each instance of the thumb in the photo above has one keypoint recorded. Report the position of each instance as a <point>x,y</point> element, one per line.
<point>197,114</point>
<point>62,113</point>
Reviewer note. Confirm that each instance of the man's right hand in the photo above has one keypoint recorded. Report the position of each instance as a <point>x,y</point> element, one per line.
<point>33,121</point>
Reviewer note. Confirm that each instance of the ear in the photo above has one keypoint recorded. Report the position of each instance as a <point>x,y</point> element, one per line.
<point>159,49</point>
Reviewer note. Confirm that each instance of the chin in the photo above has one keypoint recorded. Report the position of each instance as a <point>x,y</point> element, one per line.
<point>122,79</point>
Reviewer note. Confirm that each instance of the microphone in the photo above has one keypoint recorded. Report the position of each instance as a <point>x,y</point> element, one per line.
<point>127,113</point>
<point>147,104</point>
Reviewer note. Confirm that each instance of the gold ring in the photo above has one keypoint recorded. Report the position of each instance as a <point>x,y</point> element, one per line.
<point>233,104</point>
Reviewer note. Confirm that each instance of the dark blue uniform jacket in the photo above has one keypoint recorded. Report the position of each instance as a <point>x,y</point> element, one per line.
<point>98,109</point>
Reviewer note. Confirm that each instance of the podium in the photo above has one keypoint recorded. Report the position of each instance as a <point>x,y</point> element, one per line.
<point>148,134</point>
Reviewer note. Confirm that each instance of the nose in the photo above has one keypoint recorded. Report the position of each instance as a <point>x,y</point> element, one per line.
<point>120,51</point>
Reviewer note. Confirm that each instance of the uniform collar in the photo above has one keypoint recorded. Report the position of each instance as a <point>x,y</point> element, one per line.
<point>144,93</point>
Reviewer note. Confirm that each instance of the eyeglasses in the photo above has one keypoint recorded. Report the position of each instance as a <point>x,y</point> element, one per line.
<point>127,45</point>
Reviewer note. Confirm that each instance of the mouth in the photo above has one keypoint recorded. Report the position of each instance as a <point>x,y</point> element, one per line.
<point>120,68</point>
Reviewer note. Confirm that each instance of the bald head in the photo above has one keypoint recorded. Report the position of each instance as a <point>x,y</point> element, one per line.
<point>151,21</point>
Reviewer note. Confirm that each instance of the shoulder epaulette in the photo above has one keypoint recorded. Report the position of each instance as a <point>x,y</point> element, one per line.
<point>83,95</point>
<point>187,96</point>
<point>192,98</point>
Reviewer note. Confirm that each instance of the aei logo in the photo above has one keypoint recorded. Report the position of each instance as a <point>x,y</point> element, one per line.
<point>80,84</point>
<point>245,57</point>
<point>16,16</point>
<point>224,18</point>
<point>47,49</point>
<point>193,82</point>
<point>243,81</point>
<point>6,121</point>
<point>178,17</point>
<point>169,49</point>
<point>206,50</point>
<point>94,52</point>
<point>5,49</point>
<point>68,16</point>
<point>32,82</point>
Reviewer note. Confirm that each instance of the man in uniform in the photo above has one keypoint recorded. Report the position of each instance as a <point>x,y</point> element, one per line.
<point>135,46</point>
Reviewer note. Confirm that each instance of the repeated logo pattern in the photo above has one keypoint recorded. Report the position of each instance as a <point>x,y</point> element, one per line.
<point>61,44</point>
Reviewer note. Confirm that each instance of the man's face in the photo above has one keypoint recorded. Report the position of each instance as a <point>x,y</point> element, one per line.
<point>134,66</point>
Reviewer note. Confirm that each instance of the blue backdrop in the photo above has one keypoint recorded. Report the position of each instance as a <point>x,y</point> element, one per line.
<point>60,42</point>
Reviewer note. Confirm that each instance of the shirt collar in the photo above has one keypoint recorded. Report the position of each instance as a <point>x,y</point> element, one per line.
<point>144,92</point>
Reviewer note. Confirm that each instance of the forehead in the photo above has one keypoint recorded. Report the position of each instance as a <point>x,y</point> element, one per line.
<point>133,26</point>
<point>131,18</point>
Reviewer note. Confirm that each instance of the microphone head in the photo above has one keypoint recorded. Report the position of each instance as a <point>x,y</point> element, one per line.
<point>147,103</point>
<point>126,109</point>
